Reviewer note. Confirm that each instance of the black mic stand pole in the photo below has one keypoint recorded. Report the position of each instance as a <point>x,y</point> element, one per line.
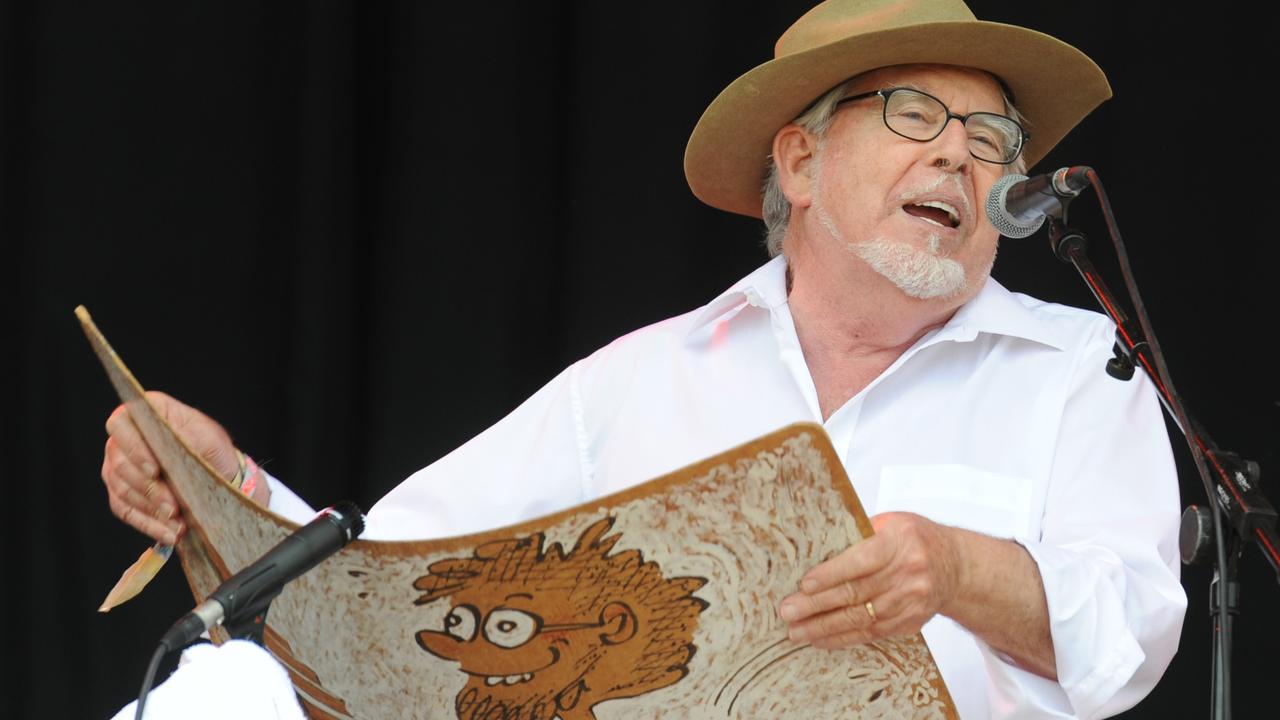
<point>1230,482</point>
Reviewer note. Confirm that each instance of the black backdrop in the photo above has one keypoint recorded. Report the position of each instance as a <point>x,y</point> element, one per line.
<point>359,233</point>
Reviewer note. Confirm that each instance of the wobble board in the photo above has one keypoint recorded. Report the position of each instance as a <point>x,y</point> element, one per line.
<point>656,602</point>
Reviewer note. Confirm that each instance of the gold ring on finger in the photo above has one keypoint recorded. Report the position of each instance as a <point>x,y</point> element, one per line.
<point>151,488</point>
<point>871,611</point>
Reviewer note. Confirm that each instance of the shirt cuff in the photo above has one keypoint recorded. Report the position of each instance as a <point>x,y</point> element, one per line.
<point>1096,652</point>
<point>285,502</point>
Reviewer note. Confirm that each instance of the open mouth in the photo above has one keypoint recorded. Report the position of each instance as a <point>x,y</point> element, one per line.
<point>935,211</point>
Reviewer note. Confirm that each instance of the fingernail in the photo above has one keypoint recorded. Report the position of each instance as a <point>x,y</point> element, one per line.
<point>149,469</point>
<point>166,510</point>
<point>171,538</point>
<point>798,634</point>
<point>789,612</point>
<point>809,585</point>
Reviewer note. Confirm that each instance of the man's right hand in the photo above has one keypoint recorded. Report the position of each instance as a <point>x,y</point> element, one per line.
<point>136,489</point>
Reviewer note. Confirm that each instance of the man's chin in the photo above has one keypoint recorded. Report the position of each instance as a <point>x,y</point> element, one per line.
<point>915,271</point>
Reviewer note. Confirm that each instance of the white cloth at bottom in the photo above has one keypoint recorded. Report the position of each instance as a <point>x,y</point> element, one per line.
<point>238,679</point>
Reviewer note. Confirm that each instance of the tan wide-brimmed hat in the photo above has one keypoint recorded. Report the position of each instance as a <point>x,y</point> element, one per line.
<point>1053,84</point>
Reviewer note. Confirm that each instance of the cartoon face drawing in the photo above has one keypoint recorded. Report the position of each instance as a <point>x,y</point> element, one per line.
<point>541,633</point>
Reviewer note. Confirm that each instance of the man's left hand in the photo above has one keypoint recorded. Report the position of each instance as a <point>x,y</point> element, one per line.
<point>889,584</point>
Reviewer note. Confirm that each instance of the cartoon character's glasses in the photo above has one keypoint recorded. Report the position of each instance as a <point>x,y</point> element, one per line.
<point>504,627</point>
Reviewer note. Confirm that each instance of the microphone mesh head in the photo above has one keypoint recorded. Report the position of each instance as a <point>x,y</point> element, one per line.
<point>999,215</point>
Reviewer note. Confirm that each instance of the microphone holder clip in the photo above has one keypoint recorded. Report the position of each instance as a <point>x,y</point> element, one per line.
<point>251,622</point>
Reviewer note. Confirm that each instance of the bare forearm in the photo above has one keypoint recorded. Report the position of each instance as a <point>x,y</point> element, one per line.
<point>1001,600</point>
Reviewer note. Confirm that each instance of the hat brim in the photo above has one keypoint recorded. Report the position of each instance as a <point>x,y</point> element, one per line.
<point>1054,85</point>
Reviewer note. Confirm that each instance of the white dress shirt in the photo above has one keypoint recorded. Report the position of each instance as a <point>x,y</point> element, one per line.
<point>1002,421</point>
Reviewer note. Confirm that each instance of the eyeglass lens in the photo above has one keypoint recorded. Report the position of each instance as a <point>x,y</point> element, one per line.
<point>921,117</point>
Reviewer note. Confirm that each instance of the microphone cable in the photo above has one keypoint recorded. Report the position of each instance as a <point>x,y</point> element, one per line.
<point>149,679</point>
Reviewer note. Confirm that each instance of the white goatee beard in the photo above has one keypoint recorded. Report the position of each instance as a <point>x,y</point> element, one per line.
<point>921,273</point>
<point>918,272</point>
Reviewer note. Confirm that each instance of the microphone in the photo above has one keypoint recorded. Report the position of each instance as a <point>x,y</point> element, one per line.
<point>1018,205</point>
<point>253,588</point>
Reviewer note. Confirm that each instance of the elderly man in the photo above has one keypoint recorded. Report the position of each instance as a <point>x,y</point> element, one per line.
<point>1026,502</point>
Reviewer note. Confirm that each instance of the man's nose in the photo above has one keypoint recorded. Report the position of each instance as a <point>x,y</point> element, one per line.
<point>950,149</point>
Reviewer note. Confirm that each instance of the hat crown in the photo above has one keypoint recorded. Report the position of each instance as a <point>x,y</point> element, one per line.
<point>838,19</point>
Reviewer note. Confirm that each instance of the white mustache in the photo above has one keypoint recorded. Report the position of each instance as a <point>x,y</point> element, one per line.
<point>927,187</point>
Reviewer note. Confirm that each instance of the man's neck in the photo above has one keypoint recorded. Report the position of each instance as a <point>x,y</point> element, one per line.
<point>849,309</point>
<point>852,323</point>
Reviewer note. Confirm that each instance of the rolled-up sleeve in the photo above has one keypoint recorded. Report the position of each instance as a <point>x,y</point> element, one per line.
<point>1108,549</point>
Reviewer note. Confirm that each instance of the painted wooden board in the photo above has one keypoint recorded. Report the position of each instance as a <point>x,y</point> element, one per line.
<point>657,602</point>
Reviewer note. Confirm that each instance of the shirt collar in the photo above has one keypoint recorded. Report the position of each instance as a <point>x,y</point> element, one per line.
<point>765,287</point>
<point>994,310</point>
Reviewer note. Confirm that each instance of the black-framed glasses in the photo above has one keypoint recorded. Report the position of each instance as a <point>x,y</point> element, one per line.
<point>922,117</point>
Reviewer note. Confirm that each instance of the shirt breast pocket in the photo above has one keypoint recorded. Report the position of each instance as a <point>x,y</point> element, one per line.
<point>959,495</point>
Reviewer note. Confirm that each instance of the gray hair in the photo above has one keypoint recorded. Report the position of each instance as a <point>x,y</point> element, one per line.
<point>816,119</point>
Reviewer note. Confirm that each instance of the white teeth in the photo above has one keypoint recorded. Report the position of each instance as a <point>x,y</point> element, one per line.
<point>508,679</point>
<point>948,209</point>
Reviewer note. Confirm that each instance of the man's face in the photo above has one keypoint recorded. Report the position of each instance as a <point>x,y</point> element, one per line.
<point>878,194</point>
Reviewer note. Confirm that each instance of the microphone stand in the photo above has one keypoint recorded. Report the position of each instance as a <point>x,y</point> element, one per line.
<point>1230,481</point>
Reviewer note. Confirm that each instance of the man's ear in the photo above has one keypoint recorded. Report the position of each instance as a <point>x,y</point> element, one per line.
<point>794,151</point>
<point>618,623</point>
